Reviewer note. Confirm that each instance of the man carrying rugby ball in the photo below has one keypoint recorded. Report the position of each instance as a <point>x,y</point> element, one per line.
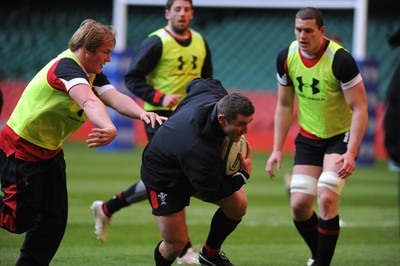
<point>184,159</point>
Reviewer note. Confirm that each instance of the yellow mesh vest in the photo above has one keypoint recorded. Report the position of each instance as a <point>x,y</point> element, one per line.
<point>177,66</point>
<point>322,108</point>
<point>45,116</point>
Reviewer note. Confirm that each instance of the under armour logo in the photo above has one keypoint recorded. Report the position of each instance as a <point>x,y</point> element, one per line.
<point>182,63</point>
<point>314,84</point>
<point>80,112</point>
<point>194,62</point>
<point>180,59</point>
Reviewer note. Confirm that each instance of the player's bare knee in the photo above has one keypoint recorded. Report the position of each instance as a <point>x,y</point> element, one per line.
<point>299,208</point>
<point>235,211</point>
<point>241,212</point>
<point>240,207</point>
<point>325,201</point>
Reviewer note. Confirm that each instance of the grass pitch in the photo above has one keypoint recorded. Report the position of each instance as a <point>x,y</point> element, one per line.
<point>266,236</point>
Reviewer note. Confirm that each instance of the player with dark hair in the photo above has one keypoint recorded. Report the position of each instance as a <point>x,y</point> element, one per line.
<point>162,66</point>
<point>190,164</point>
<point>333,118</point>
<point>69,89</point>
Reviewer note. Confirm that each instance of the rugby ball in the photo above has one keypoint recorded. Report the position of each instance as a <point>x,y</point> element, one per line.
<point>230,154</point>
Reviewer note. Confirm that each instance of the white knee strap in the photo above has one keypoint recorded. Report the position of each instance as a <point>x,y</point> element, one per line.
<point>332,181</point>
<point>304,184</point>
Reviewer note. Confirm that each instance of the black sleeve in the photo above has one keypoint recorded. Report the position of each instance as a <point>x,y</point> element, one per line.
<point>281,62</point>
<point>67,69</point>
<point>344,66</point>
<point>101,80</point>
<point>203,166</point>
<point>207,71</point>
<point>145,59</point>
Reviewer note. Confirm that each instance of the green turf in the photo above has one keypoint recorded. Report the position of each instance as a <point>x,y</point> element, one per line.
<point>369,208</point>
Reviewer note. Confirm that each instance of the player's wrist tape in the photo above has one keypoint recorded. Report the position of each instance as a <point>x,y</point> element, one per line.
<point>243,174</point>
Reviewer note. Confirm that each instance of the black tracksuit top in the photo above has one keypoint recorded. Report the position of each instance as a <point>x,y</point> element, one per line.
<point>185,152</point>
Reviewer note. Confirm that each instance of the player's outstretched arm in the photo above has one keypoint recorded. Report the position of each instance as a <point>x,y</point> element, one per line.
<point>126,106</point>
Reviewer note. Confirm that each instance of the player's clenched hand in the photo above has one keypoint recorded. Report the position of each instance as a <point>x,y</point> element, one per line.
<point>274,158</point>
<point>153,118</point>
<point>247,163</point>
<point>101,136</point>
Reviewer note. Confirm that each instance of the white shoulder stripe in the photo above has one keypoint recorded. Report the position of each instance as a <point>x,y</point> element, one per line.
<point>357,79</point>
<point>102,89</point>
<point>70,83</point>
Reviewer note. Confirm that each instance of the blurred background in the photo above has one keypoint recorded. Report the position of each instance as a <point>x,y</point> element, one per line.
<point>244,43</point>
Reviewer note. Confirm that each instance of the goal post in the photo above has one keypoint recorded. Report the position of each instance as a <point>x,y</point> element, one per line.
<point>368,68</point>
<point>360,7</point>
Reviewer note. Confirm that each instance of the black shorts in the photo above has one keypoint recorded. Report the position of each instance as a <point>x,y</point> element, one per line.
<point>33,188</point>
<point>167,202</point>
<point>311,151</point>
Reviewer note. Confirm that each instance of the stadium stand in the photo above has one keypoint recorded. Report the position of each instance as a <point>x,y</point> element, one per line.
<point>244,42</point>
